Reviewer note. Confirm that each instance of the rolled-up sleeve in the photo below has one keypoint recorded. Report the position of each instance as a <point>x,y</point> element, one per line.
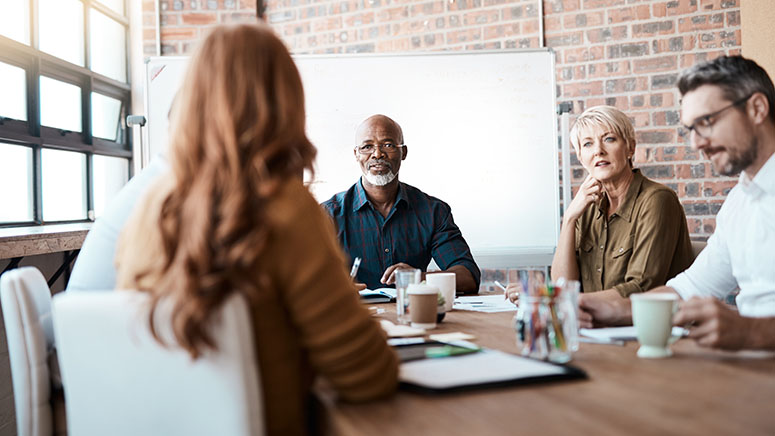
<point>449,248</point>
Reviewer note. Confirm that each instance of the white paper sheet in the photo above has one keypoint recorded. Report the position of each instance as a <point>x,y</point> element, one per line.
<point>484,303</point>
<point>627,333</point>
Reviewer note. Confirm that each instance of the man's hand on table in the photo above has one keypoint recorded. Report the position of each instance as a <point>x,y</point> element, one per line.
<point>714,324</point>
<point>389,277</point>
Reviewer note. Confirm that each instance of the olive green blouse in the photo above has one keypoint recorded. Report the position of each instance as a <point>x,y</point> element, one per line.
<point>641,246</point>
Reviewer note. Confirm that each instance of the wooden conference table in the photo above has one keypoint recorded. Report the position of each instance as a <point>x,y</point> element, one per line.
<point>696,392</point>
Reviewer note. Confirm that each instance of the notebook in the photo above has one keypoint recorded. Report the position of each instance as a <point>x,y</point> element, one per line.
<point>482,369</point>
<point>381,295</point>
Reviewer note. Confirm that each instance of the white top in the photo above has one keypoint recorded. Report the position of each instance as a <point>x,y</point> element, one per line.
<point>740,253</point>
<point>94,269</point>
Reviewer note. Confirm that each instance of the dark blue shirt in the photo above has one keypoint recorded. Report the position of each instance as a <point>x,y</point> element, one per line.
<point>417,228</point>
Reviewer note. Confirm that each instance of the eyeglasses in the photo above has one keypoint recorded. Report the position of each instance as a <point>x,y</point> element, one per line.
<point>703,126</point>
<point>388,148</point>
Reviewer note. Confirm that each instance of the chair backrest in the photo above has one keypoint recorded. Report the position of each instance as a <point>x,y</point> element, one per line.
<point>26,301</point>
<point>120,381</point>
<point>698,246</point>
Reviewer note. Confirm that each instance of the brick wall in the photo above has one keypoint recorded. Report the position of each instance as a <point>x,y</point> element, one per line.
<point>625,53</point>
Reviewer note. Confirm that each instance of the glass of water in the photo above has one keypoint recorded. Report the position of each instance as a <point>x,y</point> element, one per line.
<point>404,278</point>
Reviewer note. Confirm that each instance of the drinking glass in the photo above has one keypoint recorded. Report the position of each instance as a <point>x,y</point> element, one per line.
<point>547,321</point>
<point>404,278</point>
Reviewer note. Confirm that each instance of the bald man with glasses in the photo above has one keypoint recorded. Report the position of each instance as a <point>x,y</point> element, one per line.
<point>728,113</point>
<point>389,224</point>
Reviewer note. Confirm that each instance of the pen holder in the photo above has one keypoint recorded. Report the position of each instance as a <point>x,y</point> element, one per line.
<point>546,322</point>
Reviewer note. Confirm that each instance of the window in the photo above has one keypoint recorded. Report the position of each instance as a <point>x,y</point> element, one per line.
<point>64,148</point>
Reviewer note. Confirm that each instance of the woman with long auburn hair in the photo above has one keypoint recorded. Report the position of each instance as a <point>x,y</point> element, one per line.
<point>234,216</point>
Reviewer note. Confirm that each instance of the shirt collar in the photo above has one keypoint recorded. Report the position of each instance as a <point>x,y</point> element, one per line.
<point>361,199</point>
<point>762,182</point>
<point>626,208</point>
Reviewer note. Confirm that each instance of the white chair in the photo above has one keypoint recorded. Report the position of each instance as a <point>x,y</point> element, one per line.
<point>26,301</point>
<point>120,381</point>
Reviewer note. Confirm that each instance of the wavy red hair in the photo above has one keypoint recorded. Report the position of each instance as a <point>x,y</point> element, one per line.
<point>237,132</point>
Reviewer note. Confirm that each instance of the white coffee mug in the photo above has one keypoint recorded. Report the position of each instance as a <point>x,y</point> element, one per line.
<point>447,286</point>
<point>652,315</point>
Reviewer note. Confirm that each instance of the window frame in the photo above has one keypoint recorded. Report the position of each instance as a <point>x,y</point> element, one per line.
<point>32,134</point>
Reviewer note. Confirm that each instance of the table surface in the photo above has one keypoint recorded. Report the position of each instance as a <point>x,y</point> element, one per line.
<point>698,391</point>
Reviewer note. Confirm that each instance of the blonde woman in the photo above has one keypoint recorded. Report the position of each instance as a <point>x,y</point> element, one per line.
<point>234,216</point>
<point>622,233</point>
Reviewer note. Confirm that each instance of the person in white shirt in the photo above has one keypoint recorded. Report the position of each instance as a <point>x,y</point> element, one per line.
<point>728,113</point>
<point>94,269</point>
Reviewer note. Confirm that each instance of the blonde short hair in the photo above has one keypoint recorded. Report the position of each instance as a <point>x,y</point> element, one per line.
<point>604,116</point>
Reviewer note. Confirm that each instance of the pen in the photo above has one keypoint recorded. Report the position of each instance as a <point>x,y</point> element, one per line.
<point>356,265</point>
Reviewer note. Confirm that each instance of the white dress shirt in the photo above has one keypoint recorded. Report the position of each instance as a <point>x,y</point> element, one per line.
<point>94,269</point>
<point>741,252</point>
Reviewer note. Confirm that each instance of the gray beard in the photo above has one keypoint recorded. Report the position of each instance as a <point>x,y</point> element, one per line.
<point>380,179</point>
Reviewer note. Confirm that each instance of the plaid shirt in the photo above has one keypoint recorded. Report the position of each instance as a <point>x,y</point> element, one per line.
<point>417,228</point>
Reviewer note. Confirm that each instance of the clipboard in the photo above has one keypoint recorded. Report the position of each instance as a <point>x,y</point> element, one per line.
<point>482,370</point>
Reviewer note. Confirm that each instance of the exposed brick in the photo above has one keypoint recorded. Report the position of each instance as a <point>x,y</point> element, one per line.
<point>584,54</point>
<point>628,84</point>
<point>708,5</point>
<point>178,33</point>
<point>640,12</point>
<point>582,89</point>
<point>717,188</point>
<point>664,81</point>
<point>657,171</point>
<point>655,136</point>
<point>628,50</point>
<point>464,36</point>
<point>653,28</point>
<point>664,63</point>
<point>593,4</point>
<point>701,22</point>
<point>480,18</point>
<point>589,19</point>
<point>673,45</point>
<point>573,38</point>
<point>608,69</point>
<point>681,7</point>
<point>606,34</point>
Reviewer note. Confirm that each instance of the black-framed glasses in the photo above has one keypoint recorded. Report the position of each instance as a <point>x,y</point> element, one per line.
<point>388,147</point>
<point>703,126</point>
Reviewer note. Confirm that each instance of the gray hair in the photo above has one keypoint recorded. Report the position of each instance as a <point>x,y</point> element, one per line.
<point>737,77</point>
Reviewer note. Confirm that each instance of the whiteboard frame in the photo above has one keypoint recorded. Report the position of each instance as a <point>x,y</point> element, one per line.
<point>493,258</point>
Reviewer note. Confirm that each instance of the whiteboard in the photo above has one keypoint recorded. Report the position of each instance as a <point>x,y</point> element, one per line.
<point>480,130</point>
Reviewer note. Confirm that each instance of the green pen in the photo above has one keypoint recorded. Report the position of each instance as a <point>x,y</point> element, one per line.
<point>448,350</point>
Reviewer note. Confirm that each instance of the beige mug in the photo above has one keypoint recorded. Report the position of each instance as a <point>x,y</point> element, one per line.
<point>652,316</point>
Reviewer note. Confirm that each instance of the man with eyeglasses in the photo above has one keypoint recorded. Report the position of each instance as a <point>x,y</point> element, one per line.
<point>391,225</point>
<point>728,112</point>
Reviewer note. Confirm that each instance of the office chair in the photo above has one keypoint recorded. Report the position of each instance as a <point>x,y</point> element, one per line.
<point>26,301</point>
<point>698,246</point>
<point>120,381</point>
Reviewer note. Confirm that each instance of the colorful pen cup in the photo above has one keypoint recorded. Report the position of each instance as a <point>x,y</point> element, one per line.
<point>546,322</point>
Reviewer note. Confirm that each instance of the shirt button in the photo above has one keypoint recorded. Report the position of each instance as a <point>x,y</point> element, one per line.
<point>387,250</point>
<point>599,269</point>
<point>621,249</point>
<point>601,247</point>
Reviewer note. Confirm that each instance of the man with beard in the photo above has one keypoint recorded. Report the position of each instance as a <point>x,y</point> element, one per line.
<point>391,225</point>
<point>728,112</point>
